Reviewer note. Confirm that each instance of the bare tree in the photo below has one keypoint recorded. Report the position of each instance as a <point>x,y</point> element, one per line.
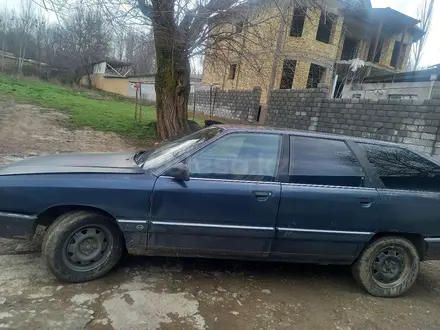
<point>86,40</point>
<point>26,22</point>
<point>5,23</point>
<point>183,29</point>
<point>144,55</point>
<point>424,14</point>
<point>135,46</point>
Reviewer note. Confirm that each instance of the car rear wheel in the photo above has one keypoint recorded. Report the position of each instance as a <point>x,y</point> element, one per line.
<point>82,246</point>
<point>388,267</point>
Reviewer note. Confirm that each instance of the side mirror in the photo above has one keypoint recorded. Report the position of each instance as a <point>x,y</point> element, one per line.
<point>179,172</point>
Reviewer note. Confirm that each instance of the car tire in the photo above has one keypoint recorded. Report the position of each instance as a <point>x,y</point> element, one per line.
<point>82,246</point>
<point>388,267</point>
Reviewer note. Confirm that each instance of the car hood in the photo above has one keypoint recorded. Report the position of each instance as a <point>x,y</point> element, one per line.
<point>74,163</point>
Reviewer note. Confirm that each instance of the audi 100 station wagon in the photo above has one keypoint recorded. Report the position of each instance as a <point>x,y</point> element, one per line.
<point>234,192</point>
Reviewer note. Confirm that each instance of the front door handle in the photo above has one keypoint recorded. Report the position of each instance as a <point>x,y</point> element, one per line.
<point>262,196</point>
<point>365,203</point>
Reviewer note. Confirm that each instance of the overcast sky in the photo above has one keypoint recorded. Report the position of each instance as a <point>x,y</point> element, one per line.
<point>408,7</point>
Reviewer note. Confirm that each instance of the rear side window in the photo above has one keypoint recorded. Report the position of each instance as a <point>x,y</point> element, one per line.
<point>400,168</point>
<point>324,162</point>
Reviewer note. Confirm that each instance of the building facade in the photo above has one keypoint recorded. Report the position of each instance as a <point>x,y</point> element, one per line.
<point>276,45</point>
<point>116,77</point>
<point>414,85</point>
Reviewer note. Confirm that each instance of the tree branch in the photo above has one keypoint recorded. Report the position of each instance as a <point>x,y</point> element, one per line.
<point>145,8</point>
<point>196,18</point>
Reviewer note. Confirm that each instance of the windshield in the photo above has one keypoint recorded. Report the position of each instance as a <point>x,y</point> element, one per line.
<point>173,149</point>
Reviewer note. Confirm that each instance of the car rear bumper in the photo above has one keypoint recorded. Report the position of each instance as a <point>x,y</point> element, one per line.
<point>17,226</point>
<point>433,248</point>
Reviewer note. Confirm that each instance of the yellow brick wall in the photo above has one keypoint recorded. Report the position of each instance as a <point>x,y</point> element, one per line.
<point>406,58</point>
<point>364,46</point>
<point>111,85</point>
<point>340,45</point>
<point>307,45</point>
<point>408,40</point>
<point>261,68</point>
<point>387,52</point>
<point>259,46</point>
<point>116,85</point>
<point>307,50</point>
<point>301,75</point>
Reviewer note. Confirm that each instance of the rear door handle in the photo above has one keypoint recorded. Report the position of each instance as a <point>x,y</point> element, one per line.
<point>262,196</point>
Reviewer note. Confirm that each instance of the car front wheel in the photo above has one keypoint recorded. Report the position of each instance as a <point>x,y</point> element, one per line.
<point>388,267</point>
<point>82,246</point>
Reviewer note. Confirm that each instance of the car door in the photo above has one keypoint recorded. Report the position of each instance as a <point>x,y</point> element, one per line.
<point>230,204</point>
<point>410,194</point>
<point>328,209</point>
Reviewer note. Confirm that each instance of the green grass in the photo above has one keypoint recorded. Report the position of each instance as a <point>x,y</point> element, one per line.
<point>98,110</point>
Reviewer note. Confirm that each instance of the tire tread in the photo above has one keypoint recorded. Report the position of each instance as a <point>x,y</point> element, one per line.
<point>363,277</point>
<point>63,225</point>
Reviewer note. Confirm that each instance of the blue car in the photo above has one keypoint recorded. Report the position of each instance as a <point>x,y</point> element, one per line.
<point>233,192</point>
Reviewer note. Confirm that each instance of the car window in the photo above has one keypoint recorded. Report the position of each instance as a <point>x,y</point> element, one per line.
<point>324,162</point>
<point>240,156</point>
<point>173,149</point>
<point>400,168</point>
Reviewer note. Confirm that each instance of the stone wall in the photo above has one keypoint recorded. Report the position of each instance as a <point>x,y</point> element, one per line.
<point>235,104</point>
<point>411,122</point>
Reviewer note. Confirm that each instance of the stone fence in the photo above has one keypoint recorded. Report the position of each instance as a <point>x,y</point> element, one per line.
<point>235,104</point>
<point>411,122</point>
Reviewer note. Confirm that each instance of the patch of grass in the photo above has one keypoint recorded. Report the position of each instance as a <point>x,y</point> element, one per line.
<point>95,109</point>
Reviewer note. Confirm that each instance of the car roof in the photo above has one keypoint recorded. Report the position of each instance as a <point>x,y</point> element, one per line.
<point>277,130</point>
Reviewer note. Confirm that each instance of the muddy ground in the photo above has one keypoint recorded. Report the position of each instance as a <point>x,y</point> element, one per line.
<point>162,293</point>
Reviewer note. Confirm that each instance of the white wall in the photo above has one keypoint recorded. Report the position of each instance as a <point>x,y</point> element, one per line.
<point>147,85</point>
<point>99,68</point>
<point>149,91</point>
<point>382,91</point>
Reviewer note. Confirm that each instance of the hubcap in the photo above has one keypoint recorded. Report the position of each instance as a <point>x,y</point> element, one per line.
<point>389,268</point>
<point>85,248</point>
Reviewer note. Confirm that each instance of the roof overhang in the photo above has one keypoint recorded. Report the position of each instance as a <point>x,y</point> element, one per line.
<point>114,63</point>
<point>412,76</point>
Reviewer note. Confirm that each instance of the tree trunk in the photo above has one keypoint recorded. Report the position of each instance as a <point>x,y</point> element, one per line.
<point>172,93</point>
<point>173,73</point>
<point>89,80</point>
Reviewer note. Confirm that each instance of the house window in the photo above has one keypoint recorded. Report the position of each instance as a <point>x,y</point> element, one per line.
<point>289,67</point>
<point>356,96</point>
<point>379,51</point>
<point>399,49</point>
<point>349,51</point>
<point>315,75</point>
<point>298,19</point>
<point>395,56</point>
<point>402,56</point>
<point>375,56</point>
<point>239,27</point>
<point>325,28</point>
<point>232,71</point>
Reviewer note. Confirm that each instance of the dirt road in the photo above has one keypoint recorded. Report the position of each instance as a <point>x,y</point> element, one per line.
<point>161,293</point>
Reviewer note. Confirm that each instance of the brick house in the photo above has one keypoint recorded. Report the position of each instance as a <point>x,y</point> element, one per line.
<point>276,45</point>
